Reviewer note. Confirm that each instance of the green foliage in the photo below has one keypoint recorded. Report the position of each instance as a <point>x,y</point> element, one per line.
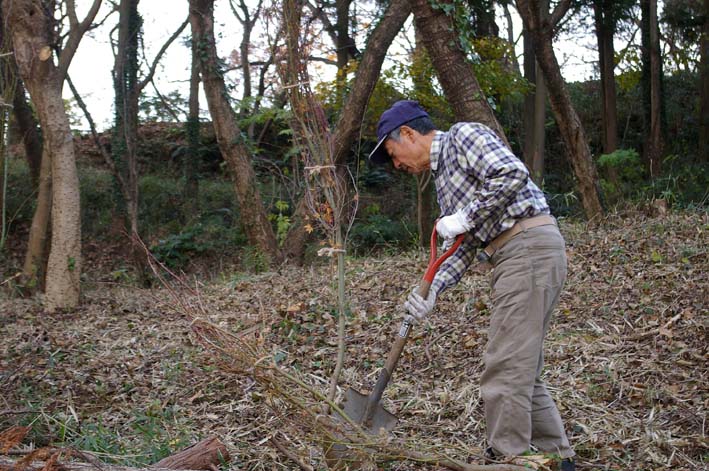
<point>176,250</point>
<point>20,199</point>
<point>682,184</point>
<point>160,203</point>
<point>283,221</point>
<point>253,260</point>
<point>98,200</point>
<point>376,231</point>
<point>157,108</point>
<point>622,172</point>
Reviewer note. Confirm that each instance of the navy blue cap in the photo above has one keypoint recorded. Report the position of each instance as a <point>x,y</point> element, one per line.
<point>400,113</point>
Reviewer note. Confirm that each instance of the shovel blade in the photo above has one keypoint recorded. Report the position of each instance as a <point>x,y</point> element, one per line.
<point>355,407</point>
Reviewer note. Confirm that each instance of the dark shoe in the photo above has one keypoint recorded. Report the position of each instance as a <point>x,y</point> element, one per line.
<point>568,464</point>
<point>490,457</point>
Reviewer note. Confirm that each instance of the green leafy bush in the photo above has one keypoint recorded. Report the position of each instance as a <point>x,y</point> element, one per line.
<point>377,231</point>
<point>622,174</point>
<point>175,250</point>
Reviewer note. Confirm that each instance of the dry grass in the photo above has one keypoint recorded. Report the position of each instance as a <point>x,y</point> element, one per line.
<point>626,356</point>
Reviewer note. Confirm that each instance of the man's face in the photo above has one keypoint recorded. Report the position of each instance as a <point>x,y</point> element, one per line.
<point>408,154</point>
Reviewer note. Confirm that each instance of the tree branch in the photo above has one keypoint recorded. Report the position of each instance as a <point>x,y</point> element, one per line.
<point>559,11</point>
<point>76,32</point>
<point>159,55</point>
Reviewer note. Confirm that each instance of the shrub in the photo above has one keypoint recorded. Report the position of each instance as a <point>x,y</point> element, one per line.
<point>377,231</point>
<point>622,174</point>
<point>98,200</point>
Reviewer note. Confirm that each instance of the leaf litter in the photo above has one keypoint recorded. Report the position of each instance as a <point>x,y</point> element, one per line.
<point>625,357</point>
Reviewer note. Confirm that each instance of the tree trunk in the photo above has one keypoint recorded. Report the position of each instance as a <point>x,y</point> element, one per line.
<point>605,30</point>
<point>455,74</point>
<point>192,157</point>
<point>34,268</point>
<point>424,190</point>
<point>125,130</point>
<point>704,88</point>
<point>29,131</point>
<point>32,33</point>
<point>572,131</point>
<point>350,121</point>
<point>652,87</point>
<point>342,7</point>
<point>535,105</point>
<point>254,218</point>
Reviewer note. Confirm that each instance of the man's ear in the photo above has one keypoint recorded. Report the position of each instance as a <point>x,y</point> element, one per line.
<point>407,132</point>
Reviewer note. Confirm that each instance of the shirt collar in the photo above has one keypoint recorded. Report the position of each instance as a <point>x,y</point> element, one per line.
<point>436,150</point>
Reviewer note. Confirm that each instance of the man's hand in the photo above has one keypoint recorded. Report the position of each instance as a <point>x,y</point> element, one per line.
<point>418,307</point>
<point>450,226</point>
<point>447,244</point>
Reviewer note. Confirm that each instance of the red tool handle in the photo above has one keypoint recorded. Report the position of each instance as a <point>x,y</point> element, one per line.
<point>405,329</point>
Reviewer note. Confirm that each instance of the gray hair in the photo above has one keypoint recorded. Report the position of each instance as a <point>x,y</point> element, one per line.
<point>422,125</point>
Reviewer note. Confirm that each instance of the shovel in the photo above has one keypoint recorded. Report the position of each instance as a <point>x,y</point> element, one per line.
<point>366,410</point>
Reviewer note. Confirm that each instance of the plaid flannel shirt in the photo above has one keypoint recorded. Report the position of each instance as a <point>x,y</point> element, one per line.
<point>475,172</point>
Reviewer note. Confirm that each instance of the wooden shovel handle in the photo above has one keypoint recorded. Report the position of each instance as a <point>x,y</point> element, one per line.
<point>405,329</point>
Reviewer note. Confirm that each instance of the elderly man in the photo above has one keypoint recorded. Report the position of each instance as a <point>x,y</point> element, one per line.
<point>485,192</point>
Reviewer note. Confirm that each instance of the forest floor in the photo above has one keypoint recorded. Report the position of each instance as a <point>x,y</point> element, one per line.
<point>626,356</point>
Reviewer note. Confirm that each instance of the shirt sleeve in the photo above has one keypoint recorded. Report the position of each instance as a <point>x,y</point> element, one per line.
<point>452,270</point>
<point>483,156</point>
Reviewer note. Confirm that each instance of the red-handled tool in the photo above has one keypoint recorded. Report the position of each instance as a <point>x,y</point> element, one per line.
<point>365,409</point>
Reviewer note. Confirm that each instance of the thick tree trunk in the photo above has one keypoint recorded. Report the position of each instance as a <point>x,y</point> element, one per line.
<point>32,31</point>
<point>350,121</point>
<point>455,74</point>
<point>572,131</point>
<point>605,30</point>
<point>254,218</point>
<point>704,88</point>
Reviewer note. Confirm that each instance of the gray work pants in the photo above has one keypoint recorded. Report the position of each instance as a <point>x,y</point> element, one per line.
<point>528,274</point>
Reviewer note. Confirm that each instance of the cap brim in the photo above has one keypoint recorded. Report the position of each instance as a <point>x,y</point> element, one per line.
<point>380,155</point>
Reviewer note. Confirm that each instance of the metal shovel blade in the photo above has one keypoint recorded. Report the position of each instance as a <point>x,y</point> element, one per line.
<point>355,406</point>
<point>337,455</point>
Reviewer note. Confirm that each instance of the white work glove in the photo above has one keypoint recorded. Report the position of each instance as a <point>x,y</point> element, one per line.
<point>418,307</point>
<point>449,227</point>
<point>447,243</point>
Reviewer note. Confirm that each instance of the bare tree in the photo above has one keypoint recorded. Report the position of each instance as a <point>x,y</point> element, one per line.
<point>32,26</point>
<point>128,87</point>
<point>329,194</point>
<point>253,214</point>
<point>541,29</point>
<point>248,20</point>
<point>350,120</point>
